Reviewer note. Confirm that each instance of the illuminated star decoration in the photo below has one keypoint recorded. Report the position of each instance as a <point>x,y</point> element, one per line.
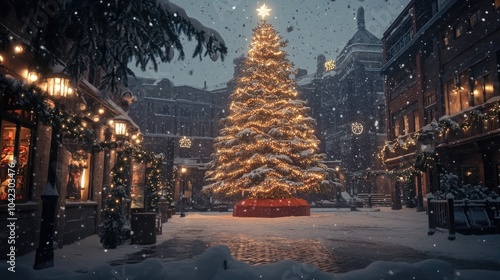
<point>263,11</point>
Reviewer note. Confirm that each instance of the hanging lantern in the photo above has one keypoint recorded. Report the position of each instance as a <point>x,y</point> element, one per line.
<point>121,124</point>
<point>57,86</point>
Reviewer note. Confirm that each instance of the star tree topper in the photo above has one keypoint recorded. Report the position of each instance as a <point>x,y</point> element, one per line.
<point>263,11</point>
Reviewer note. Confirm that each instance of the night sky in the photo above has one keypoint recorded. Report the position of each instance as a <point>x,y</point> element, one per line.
<point>312,27</point>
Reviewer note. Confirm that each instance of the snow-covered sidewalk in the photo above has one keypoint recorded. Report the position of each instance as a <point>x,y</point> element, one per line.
<point>404,227</point>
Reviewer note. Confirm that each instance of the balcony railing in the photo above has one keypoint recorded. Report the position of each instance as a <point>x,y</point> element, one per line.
<point>477,128</point>
<point>400,44</point>
<point>399,147</point>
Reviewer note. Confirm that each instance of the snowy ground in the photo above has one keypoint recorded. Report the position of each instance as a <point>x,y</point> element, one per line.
<point>383,229</point>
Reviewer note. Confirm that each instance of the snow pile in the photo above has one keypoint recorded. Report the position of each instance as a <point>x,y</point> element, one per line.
<point>218,264</point>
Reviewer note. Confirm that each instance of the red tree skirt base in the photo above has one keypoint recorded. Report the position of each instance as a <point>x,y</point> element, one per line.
<point>272,208</point>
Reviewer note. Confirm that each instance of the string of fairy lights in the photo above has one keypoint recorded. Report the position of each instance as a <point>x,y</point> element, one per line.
<point>72,126</point>
<point>441,128</point>
<point>267,148</point>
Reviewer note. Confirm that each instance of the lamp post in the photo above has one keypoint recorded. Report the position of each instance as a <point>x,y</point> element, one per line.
<point>426,149</point>
<point>121,127</point>
<point>183,173</point>
<point>57,87</point>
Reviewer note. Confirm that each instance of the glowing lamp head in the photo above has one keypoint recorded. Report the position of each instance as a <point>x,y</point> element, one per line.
<point>57,86</point>
<point>18,49</point>
<point>121,125</point>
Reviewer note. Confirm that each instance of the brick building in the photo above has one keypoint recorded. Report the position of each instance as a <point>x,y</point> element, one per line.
<point>349,105</point>
<point>180,122</point>
<point>441,67</point>
<point>29,149</point>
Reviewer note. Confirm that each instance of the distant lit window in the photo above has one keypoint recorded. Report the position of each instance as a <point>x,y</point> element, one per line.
<point>497,4</point>
<point>458,30</point>
<point>406,123</point>
<point>471,175</point>
<point>457,93</point>
<point>416,121</point>
<point>483,89</point>
<point>474,18</point>
<point>397,127</point>
<point>453,97</point>
<point>446,40</point>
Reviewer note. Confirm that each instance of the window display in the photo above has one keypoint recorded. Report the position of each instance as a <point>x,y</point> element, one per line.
<point>76,188</point>
<point>15,145</point>
<point>138,183</point>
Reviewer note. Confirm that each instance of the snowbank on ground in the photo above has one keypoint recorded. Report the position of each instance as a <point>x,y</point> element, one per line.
<point>218,264</point>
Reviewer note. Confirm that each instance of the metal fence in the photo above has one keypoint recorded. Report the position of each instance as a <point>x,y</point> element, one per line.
<point>463,216</point>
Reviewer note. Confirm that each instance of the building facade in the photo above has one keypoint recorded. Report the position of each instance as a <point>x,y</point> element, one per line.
<point>182,123</point>
<point>38,160</point>
<point>350,105</point>
<point>442,86</point>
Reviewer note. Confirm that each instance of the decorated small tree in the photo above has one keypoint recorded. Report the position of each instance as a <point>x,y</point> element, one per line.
<point>267,148</point>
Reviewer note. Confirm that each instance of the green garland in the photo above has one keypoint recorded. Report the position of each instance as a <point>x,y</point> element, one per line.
<point>154,184</point>
<point>114,223</point>
<point>441,127</point>
<point>34,99</point>
<point>71,126</point>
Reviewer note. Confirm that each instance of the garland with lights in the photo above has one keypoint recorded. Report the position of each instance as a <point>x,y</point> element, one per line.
<point>32,98</point>
<point>155,184</point>
<point>113,230</point>
<point>267,148</point>
<point>441,127</point>
<point>425,161</point>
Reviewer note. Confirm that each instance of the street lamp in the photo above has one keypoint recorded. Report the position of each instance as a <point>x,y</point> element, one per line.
<point>426,148</point>
<point>183,173</point>
<point>120,125</point>
<point>44,256</point>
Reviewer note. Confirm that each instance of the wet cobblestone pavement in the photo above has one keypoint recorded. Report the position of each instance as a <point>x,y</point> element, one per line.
<point>330,255</point>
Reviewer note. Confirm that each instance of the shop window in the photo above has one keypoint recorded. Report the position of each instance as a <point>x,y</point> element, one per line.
<point>15,143</point>
<point>77,188</point>
<point>138,183</point>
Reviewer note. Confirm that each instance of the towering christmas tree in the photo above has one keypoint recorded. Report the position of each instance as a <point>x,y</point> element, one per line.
<point>267,148</point>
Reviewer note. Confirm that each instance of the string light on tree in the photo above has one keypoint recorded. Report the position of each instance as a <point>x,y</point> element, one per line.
<point>267,148</point>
